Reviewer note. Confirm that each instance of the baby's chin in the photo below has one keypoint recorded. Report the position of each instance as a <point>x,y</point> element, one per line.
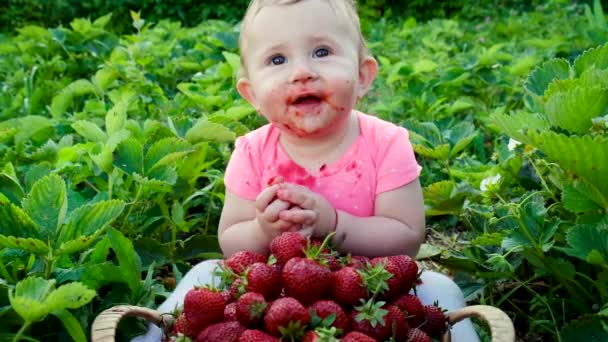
<point>310,126</point>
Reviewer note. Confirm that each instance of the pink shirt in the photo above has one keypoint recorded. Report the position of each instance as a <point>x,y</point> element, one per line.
<point>381,159</point>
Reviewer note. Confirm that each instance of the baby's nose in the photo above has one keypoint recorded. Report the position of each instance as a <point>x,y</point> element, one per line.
<point>303,72</point>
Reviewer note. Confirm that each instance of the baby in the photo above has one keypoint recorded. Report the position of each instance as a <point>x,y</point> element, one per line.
<point>319,166</point>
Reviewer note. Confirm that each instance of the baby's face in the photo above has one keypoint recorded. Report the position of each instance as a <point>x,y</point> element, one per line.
<point>303,67</point>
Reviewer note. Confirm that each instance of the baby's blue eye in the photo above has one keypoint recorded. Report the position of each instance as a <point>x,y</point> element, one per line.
<point>321,52</point>
<point>277,60</point>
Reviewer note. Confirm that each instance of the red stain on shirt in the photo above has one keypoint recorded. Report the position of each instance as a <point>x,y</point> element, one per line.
<point>294,173</point>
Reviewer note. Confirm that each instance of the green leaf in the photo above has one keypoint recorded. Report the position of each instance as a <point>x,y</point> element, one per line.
<point>28,298</point>
<point>103,159</point>
<point>589,243</point>
<point>60,104</point>
<point>80,87</point>
<point>584,155</point>
<point>78,244</point>
<point>166,151</point>
<point>539,79</point>
<point>129,156</point>
<point>69,296</point>
<point>573,110</point>
<point>444,198</point>
<point>89,218</point>
<point>71,324</point>
<point>117,116</point>
<point>589,328</point>
<point>233,60</point>
<point>575,197</point>
<point>209,131</point>
<point>103,78</point>
<point>9,184</point>
<point>519,123</point>
<point>440,152</point>
<point>15,221</point>
<point>596,57</point>
<point>31,245</point>
<point>90,131</point>
<point>47,204</point>
<point>128,260</point>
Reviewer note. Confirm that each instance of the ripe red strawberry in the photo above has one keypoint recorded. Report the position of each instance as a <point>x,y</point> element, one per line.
<point>306,280</point>
<point>230,312</point>
<point>250,309</point>
<point>324,308</point>
<point>356,336</point>
<point>203,307</point>
<point>221,332</point>
<point>417,335</point>
<point>182,327</point>
<point>395,283</point>
<point>348,286</point>
<point>288,245</point>
<point>372,320</point>
<point>356,261</point>
<point>399,323</point>
<point>240,260</point>
<point>264,279</point>
<point>236,289</point>
<point>286,317</point>
<point>408,269</point>
<point>256,336</point>
<point>436,321</point>
<point>412,309</point>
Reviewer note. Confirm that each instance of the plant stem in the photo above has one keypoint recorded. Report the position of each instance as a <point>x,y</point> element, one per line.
<point>21,331</point>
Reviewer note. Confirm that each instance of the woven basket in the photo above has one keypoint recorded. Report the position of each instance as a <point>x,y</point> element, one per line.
<point>104,326</point>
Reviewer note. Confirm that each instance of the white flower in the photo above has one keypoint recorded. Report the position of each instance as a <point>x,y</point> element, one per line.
<point>489,182</point>
<point>512,144</point>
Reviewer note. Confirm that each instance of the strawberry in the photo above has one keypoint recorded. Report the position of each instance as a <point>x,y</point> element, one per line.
<point>236,289</point>
<point>239,261</point>
<point>348,286</point>
<point>417,335</point>
<point>412,309</point>
<point>399,328</point>
<point>356,336</point>
<point>250,309</point>
<point>288,245</point>
<point>182,327</point>
<point>356,261</point>
<point>264,279</point>
<point>256,336</point>
<point>286,317</point>
<point>221,332</point>
<point>203,307</point>
<point>408,269</point>
<point>436,321</point>
<point>394,283</point>
<point>230,312</point>
<point>371,319</point>
<point>321,335</point>
<point>324,308</point>
<point>306,280</point>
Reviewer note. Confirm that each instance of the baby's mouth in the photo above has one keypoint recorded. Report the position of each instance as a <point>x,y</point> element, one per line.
<point>307,103</point>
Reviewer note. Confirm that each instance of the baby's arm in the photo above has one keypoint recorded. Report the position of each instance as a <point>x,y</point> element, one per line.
<point>397,226</point>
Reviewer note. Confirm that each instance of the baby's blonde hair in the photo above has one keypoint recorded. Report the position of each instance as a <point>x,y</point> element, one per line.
<point>346,7</point>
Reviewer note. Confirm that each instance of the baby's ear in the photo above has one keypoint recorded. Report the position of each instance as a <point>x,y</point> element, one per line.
<point>368,70</point>
<point>243,86</point>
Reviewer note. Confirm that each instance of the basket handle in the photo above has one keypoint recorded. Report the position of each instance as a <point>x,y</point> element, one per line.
<point>500,324</point>
<point>105,324</point>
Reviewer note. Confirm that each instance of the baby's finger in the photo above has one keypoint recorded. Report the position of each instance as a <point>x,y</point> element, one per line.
<point>271,213</point>
<point>297,196</point>
<point>299,216</point>
<point>266,197</point>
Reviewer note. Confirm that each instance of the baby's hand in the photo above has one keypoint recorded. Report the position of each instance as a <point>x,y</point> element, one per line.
<point>268,208</point>
<point>311,209</point>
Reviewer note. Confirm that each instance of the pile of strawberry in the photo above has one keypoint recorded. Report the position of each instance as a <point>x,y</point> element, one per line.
<point>305,291</point>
